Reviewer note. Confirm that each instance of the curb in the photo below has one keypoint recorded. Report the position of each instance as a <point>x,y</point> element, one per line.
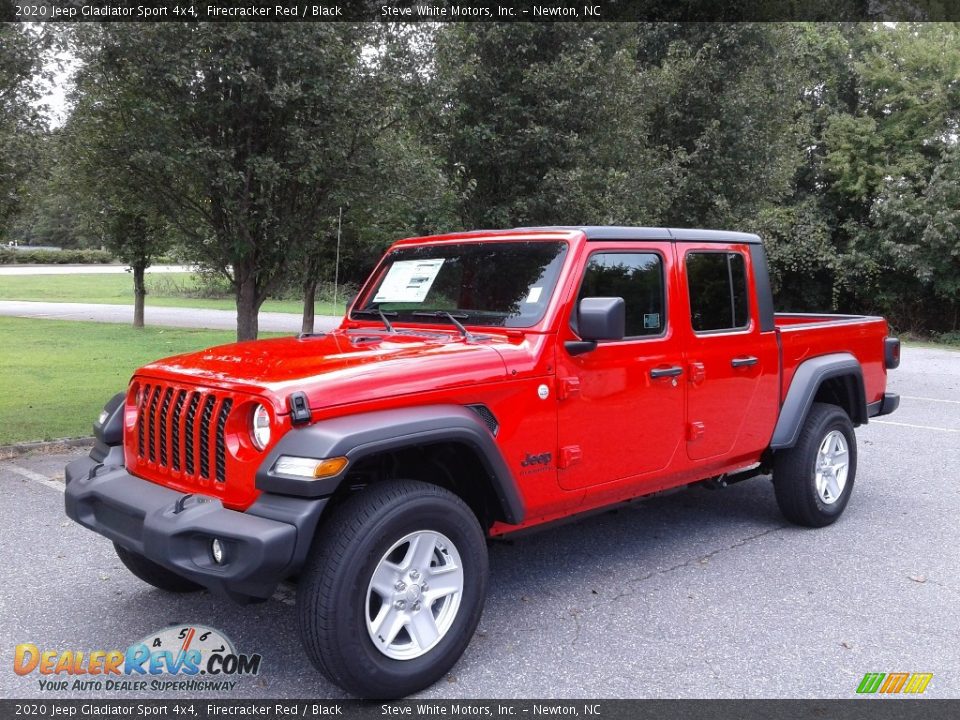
<point>44,446</point>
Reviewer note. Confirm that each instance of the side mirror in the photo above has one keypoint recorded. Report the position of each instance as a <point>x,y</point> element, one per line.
<point>598,319</point>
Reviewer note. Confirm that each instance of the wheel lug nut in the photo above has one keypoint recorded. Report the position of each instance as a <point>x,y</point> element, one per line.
<point>424,587</point>
<point>415,574</point>
<point>400,586</point>
<point>416,607</point>
<point>400,604</point>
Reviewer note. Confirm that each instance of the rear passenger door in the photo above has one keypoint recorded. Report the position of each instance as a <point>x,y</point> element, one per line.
<point>725,355</point>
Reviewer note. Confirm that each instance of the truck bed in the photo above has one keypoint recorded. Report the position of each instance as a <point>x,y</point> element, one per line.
<point>806,335</point>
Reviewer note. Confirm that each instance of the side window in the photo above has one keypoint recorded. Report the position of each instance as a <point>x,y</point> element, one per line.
<point>717,282</point>
<point>638,279</point>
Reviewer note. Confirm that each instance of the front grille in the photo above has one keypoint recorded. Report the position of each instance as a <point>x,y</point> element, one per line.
<point>183,430</point>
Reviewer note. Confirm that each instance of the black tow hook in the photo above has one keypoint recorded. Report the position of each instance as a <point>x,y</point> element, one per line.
<point>181,501</point>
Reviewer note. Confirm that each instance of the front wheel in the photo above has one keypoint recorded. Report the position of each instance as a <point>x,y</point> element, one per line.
<point>813,480</point>
<point>394,589</point>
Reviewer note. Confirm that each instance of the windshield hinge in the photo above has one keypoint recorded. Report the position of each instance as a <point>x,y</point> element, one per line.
<point>299,408</point>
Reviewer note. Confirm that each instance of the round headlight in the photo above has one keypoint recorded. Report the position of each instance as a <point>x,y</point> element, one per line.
<point>260,427</point>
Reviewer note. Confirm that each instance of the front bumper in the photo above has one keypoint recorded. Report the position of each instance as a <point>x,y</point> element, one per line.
<point>263,545</point>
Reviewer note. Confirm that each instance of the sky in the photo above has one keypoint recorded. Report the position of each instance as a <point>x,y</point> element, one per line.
<point>54,92</point>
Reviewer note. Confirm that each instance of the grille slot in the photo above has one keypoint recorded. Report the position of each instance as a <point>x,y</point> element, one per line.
<point>221,443</point>
<point>182,431</point>
<point>175,428</point>
<point>191,418</point>
<point>164,414</point>
<point>205,418</point>
<point>140,413</point>
<point>153,424</point>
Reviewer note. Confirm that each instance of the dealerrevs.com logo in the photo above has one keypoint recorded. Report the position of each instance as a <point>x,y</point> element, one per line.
<point>188,658</point>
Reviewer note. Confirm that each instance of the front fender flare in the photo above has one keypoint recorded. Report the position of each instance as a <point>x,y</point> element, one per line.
<point>364,434</point>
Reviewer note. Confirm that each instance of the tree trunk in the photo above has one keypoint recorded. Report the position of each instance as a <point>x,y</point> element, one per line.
<point>248,307</point>
<point>139,292</point>
<point>309,301</point>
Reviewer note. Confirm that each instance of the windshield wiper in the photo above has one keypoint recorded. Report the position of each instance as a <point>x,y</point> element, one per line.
<point>451,317</point>
<point>379,313</point>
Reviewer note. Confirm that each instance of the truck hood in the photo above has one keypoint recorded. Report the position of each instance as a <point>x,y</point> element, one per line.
<point>340,367</point>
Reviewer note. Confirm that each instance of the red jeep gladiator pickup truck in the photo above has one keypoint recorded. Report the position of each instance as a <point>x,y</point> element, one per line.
<point>481,383</point>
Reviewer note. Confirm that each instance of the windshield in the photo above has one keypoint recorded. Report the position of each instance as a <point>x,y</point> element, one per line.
<point>506,284</point>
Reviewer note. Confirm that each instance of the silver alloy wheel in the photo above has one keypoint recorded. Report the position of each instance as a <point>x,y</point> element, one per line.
<point>414,595</point>
<point>832,465</point>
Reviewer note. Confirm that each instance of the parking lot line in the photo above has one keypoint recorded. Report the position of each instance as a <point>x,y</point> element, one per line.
<point>35,476</point>
<point>910,425</point>
<point>927,399</point>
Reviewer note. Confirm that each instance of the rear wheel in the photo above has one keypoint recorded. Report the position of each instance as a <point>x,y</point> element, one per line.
<point>813,480</point>
<point>154,574</point>
<point>394,589</point>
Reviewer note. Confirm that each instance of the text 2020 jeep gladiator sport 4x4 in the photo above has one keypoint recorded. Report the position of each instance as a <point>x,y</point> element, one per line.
<point>480,383</point>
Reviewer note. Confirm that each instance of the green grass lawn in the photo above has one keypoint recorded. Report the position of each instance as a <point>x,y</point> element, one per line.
<point>163,290</point>
<point>58,374</point>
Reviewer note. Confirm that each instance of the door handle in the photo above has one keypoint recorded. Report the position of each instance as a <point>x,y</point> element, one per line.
<point>743,361</point>
<point>666,372</point>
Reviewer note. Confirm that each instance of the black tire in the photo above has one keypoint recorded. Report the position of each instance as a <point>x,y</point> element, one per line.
<point>794,469</point>
<point>332,598</point>
<point>154,574</point>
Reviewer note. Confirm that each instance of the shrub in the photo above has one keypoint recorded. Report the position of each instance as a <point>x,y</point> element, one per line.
<point>10,256</point>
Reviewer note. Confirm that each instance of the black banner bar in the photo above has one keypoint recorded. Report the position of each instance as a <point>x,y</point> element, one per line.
<point>477,10</point>
<point>879,708</point>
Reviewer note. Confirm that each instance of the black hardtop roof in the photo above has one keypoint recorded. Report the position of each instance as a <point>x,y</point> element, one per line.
<point>615,232</point>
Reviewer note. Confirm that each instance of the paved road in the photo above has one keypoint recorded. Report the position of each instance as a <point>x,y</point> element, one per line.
<point>167,316</point>
<point>696,594</point>
<point>85,269</point>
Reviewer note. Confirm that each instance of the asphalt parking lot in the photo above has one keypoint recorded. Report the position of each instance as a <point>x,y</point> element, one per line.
<point>695,594</point>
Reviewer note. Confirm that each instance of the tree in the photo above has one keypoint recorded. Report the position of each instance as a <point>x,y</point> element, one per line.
<point>21,119</point>
<point>723,98</point>
<point>391,184</point>
<point>871,198</point>
<point>95,177</point>
<point>238,133</point>
<point>520,109</point>
<point>616,123</point>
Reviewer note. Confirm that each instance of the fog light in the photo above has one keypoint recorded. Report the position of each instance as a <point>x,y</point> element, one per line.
<point>216,548</point>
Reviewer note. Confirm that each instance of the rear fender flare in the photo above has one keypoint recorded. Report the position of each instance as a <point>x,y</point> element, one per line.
<point>807,380</point>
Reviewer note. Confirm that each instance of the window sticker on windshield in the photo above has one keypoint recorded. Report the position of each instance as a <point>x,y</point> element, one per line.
<point>651,320</point>
<point>534,294</point>
<point>408,281</point>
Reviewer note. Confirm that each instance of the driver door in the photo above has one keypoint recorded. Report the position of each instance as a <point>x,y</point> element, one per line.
<point>621,405</point>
